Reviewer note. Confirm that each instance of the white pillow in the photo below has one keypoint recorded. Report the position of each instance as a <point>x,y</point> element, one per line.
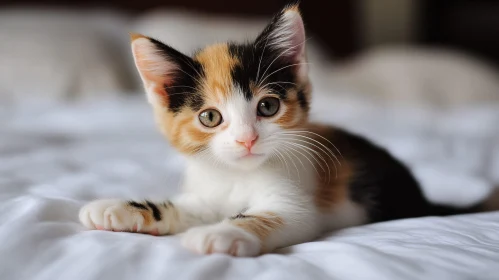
<point>61,54</point>
<point>188,31</point>
<point>424,76</point>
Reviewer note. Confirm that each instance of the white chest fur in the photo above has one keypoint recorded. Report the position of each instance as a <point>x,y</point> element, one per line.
<point>234,190</point>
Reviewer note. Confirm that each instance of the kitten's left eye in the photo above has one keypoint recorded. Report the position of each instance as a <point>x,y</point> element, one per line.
<point>210,118</point>
<point>268,106</point>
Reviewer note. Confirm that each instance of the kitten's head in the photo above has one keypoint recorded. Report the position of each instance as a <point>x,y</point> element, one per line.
<point>230,103</point>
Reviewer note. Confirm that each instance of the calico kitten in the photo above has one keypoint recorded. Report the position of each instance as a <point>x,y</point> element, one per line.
<point>259,176</point>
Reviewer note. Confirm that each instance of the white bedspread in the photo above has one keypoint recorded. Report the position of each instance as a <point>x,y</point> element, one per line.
<point>54,158</point>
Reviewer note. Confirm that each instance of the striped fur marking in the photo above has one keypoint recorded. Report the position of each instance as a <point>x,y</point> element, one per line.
<point>137,205</point>
<point>155,211</point>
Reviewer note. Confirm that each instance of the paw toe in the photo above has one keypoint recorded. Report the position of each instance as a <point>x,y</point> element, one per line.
<point>223,239</point>
<point>98,215</point>
<point>118,215</point>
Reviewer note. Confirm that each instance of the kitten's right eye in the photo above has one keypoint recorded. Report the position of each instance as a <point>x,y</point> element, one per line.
<point>210,118</point>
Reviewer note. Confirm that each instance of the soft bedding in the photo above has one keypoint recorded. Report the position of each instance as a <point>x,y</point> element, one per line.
<point>54,157</point>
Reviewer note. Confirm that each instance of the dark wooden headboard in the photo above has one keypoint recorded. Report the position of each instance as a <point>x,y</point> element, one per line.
<point>469,25</point>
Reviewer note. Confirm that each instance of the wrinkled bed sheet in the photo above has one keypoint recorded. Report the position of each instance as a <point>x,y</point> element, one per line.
<point>55,157</point>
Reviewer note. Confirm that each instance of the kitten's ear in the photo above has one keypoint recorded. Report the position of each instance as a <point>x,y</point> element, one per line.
<point>285,34</point>
<point>159,66</point>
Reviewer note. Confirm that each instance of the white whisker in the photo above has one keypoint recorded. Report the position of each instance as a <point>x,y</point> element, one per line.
<point>305,148</point>
<point>313,165</point>
<point>324,160</point>
<point>282,68</point>
<point>288,49</point>
<point>193,67</point>
<point>325,149</point>
<point>303,136</point>
<point>284,161</point>
<point>293,162</point>
<point>306,131</point>
<point>278,83</point>
<point>260,62</point>
<point>309,150</point>
<point>195,79</point>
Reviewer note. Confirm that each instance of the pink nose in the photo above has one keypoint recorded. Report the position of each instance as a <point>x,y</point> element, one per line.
<point>248,142</point>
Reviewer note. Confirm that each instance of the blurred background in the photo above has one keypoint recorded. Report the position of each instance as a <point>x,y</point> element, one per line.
<point>437,52</point>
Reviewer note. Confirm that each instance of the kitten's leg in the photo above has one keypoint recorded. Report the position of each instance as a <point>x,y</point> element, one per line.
<point>257,230</point>
<point>157,218</point>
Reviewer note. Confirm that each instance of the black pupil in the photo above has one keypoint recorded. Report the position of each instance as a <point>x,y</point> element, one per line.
<point>211,116</point>
<point>268,107</point>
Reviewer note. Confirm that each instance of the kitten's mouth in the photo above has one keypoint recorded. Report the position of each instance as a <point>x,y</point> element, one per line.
<point>251,155</point>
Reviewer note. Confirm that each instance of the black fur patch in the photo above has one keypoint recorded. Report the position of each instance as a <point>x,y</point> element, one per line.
<point>155,211</point>
<point>261,66</point>
<point>137,205</point>
<point>246,71</point>
<point>180,91</point>
<point>383,185</point>
<point>302,99</point>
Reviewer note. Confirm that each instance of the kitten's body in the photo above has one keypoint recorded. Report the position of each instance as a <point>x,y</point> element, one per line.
<point>259,176</point>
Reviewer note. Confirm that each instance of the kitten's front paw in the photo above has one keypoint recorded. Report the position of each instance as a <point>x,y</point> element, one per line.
<point>119,215</point>
<point>222,238</point>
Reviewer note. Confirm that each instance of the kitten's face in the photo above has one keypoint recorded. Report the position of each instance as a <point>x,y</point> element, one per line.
<point>230,103</point>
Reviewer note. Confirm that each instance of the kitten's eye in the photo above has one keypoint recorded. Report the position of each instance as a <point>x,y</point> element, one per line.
<point>210,118</point>
<point>268,106</point>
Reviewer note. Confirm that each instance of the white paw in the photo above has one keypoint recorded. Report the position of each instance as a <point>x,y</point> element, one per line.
<point>116,215</point>
<point>221,238</point>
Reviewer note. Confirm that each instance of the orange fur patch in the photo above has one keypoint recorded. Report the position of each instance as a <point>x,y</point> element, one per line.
<point>180,129</point>
<point>294,116</point>
<point>218,64</point>
<point>148,218</point>
<point>261,226</point>
<point>287,120</point>
<point>146,214</point>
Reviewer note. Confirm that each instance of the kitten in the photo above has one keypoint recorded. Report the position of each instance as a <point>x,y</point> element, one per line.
<point>259,176</point>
